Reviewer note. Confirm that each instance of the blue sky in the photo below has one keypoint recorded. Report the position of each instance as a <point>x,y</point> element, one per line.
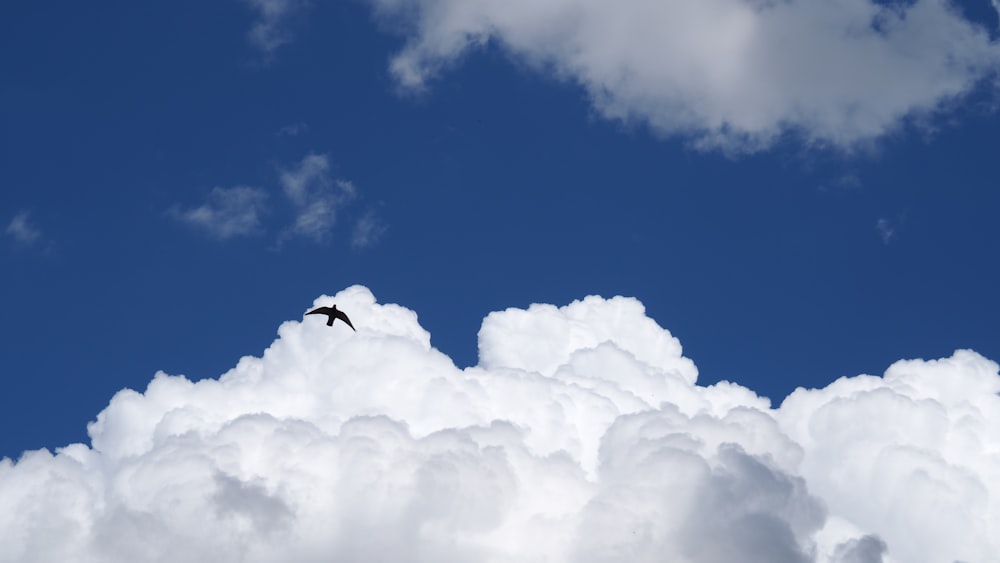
<point>786,243</point>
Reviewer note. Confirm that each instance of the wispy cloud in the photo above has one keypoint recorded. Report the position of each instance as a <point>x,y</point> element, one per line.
<point>368,230</point>
<point>843,183</point>
<point>23,230</point>
<point>727,74</point>
<point>886,230</point>
<point>270,31</point>
<point>227,213</point>
<point>293,130</point>
<point>316,195</point>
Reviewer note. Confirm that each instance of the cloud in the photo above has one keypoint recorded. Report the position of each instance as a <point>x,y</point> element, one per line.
<point>868,549</point>
<point>888,229</point>
<point>22,229</point>
<point>270,30</point>
<point>227,213</point>
<point>581,436</point>
<point>316,198</point>
<point>910,455</point>
<point>293,130</point>
<point>315,195</point>
<point>732,74</point>
<point>885,230</point>
<point>368,230</point>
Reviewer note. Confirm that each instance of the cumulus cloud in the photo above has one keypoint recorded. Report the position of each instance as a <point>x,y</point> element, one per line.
<point>270,30</point>
<point>731,74</point>
<point>316,195</point>
<point>911,456</point>
<point>227,213</point>
<point>581,436</point>
<point>22,229</point>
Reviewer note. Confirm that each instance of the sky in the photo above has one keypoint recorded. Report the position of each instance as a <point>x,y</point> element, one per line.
<point>784,194</point>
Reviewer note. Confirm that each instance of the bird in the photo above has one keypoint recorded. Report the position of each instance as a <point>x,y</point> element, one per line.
<point>333,313</point>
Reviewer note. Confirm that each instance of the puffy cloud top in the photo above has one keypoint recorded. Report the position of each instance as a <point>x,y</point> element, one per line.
<point>736,74</point>
<point>581,436</point>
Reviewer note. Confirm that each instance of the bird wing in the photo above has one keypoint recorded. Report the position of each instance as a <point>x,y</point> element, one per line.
<point>343,316</point>
<point>319,311</point>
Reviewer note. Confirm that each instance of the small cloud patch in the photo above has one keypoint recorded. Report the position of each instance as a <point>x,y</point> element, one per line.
<point>23,230</point>
<point>227,212</point>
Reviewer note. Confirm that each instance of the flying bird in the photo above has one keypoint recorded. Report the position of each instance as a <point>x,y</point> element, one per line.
<point>333,313</point>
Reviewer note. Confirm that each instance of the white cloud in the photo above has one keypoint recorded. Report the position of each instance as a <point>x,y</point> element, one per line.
<point>731,74</point>
<point>582,436</point>
<point>270,31</point>
<point>912,456</point>
<point>888,229</point>
<point>316,196</point>
<point>22,229</point>
<point>368,230</point>
<point>227,213</point>
<point>293,130</point>
<point>885,230</point>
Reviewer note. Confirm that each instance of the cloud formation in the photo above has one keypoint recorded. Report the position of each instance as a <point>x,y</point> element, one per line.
<point>886,230</point>
<point>270,30</point>
<point>730,74</point>
<point>22,229</point>
<point>294,129</point>
<point>316,196</point>
<point>368,230</point>
<point>581,436</point>
<point>227,213</point>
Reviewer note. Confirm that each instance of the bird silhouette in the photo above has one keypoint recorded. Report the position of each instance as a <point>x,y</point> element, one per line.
<point>333,313</point>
